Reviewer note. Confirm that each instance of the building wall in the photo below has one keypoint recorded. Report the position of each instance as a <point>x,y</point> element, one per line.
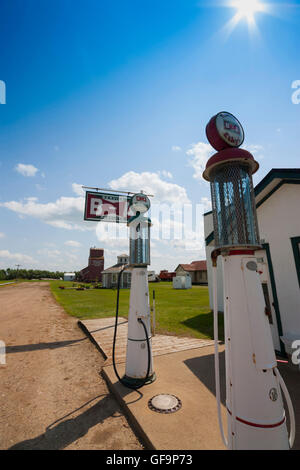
<point>279,221</point>
<point>95,266</point>
<point>110,280</point>
<point>197,277</point>
<point>180,271</point>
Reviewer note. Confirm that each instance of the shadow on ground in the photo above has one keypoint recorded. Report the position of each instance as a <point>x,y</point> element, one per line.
<point>40,346</point>
<point>204,324</point>
<point>63,432</point>
<point>204,368</point>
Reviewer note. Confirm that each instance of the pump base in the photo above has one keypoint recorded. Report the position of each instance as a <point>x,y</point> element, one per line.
<point>135,382</point>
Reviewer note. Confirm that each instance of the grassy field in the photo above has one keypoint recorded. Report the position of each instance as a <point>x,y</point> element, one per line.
<point>180,312</point>
<point>6,282</point>
<point>22,280</point>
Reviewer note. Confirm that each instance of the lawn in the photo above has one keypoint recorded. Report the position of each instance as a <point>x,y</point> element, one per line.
<point>180,312</point>
<point>6,282</point>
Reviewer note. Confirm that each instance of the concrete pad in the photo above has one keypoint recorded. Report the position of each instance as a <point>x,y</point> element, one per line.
<point>101,331</point>
<point>184,368</point>
<point>189,375</point>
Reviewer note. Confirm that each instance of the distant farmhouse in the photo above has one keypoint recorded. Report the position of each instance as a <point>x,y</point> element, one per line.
<point>69,276</point>
<point>93,272</point>
<point>197,270</point>
<point>110,275</point>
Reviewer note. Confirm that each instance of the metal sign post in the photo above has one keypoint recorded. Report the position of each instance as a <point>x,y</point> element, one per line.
<point>255,412</point>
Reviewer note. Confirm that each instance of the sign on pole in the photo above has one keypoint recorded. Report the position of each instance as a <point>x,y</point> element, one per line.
<point>107,207</point>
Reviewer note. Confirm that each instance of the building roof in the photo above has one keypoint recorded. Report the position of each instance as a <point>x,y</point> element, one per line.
<point>194,266</point>
<point>116,269</point>
<point>268,186</point>
<point>273,181</point>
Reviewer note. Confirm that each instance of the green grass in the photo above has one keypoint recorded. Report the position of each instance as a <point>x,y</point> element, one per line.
<point>179,312</point>
<point>22,280</point>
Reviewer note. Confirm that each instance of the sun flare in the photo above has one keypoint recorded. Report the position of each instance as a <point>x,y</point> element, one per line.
<point>247,9</point>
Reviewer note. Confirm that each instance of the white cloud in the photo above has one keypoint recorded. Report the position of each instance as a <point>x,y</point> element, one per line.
<point>5,254</point>
<point>166,174</point>
<point>72,257</point>
<point>31,199</point>
<point>206,202</point>
<point>200,153</point>
<point>2,235</point>
<point>65,212</point>
<point>176,148</point>
<point>77,189</point>
<point>256,150</point>
<point>151,183</point>
<point>72,243</point>
<point>26,170</point>
<point>49,253</point>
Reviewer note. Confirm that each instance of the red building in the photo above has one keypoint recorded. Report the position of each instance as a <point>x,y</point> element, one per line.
<point>96,265</point>
<point>197,270</point>
<point>166,276</point>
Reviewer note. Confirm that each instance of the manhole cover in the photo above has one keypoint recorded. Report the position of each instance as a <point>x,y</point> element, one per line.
<point>164,403</point>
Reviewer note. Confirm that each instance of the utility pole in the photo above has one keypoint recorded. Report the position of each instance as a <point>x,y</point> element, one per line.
<point>18,266</point>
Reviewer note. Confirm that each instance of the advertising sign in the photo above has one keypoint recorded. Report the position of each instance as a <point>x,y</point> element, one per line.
<point>107,207</point>
<point>225,131</point>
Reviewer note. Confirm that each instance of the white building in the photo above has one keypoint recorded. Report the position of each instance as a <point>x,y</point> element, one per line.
<point>151,276</point>
<point>69,276</point>
<point>278,210</point>
<point>110,275</point>
<point>182,282</point>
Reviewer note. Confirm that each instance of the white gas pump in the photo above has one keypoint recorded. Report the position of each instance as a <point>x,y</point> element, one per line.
<point>139,362</point>
<point>115,206</point>
<point>255,412</point>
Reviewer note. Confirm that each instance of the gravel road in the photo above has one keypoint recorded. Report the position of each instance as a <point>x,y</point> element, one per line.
<point>51,393</point>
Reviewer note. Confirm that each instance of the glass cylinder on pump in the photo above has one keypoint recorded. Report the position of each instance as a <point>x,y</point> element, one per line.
<point>139,249</point>
<point>233,205</point>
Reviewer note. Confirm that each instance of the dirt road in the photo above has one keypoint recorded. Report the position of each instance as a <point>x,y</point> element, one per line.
<point>51,393</point>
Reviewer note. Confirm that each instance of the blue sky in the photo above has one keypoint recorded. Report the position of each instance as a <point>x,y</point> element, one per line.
<point>100,91</point>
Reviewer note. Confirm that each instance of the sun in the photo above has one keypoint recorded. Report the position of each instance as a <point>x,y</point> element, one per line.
<point>246,9</point>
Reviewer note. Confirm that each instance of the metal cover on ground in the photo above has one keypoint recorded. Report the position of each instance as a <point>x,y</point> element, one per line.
<point>164,403</point>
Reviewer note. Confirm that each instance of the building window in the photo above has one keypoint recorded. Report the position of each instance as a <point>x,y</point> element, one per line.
<point>296,251</point>
<point>267,302</point>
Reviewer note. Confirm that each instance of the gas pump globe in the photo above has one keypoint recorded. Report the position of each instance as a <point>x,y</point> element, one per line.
<point>255,412</point>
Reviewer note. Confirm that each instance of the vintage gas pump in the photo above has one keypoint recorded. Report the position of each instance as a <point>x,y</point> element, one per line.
<point>139,367</point>
<point>116,207</point>
<point>255,411</point>
<point>139,363</point>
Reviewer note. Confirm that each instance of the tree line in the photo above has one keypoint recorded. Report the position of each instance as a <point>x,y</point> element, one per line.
<point>9,274</point>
